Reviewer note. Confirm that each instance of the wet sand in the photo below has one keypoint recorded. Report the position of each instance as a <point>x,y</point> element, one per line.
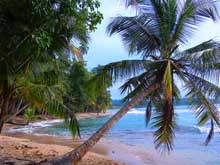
<point>104,152</point>
<point>114,151</point>
<point>25,146</point>
<point>111,152</point>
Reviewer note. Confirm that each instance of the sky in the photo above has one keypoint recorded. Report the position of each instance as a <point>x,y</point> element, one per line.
<point>104,49</point>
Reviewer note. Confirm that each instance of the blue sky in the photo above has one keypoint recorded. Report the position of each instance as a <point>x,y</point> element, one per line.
<point>104,49</point>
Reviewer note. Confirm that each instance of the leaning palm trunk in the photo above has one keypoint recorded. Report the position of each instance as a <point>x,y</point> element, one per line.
<point>76,155</point>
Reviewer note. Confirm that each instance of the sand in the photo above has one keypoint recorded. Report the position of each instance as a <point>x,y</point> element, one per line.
<point>23,148</point>
<point>24,151</point>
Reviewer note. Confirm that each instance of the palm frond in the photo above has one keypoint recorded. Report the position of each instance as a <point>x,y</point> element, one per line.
<point>137,89</point>
<point>164,135</point>
<point>58,109</point>
<point>133,82</point>
<point>176,92</point>
<point>168,81</point>
<point>204,109</point>
<point>211,133</point>
<point>164,121</point>
<point>148,112</point>
<point>202,59</point>
<point>207,9</point>
<point>207,45</point>
<point>151,75</point>
<point>184,28</point>
<point>43,88</point>
<point>76,52</point>
<point>149,67</point>
<point>120,70</point>
<point>209,89</point>
<point>138,33</point>
<point>190,14</point>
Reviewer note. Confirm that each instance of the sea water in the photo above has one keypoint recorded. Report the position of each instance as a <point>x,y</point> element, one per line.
<point>131,130</point>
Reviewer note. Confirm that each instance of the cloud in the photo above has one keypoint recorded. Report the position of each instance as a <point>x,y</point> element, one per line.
<point>104,49</point>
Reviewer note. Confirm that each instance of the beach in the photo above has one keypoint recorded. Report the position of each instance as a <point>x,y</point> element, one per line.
<point>26,148</point>
<point>19,148</point>
<point>119,82</point>
<point>22,151</point>
<point>128,142</point>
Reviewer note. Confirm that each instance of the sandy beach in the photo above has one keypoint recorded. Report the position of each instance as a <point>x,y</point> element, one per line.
<point>25,151</point>
<point>112,150</point>
<point>18,148</point>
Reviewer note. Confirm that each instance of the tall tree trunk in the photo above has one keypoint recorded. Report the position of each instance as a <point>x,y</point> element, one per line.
<point>1,124</point>
<point>3,114</point>
<point>4,109</point>
<point>76,155</point>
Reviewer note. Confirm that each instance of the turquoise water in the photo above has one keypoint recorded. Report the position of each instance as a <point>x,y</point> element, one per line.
<point>131,130</point>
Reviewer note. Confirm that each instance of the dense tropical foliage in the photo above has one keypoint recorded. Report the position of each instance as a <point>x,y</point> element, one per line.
<point>38,41</point>
<point>157,34</point>
<point>83,94</point>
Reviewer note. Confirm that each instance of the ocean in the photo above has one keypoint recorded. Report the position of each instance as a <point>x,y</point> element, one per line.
<point>131,130</point>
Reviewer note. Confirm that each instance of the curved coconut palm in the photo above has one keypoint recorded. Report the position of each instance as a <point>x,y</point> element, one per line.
<point>156,34</point>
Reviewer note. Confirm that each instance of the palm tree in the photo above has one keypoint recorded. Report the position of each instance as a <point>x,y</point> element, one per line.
<point>157,34</point>
<point>34,38</point>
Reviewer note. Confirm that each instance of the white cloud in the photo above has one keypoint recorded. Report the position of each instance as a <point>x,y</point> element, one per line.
<point>104,49</point>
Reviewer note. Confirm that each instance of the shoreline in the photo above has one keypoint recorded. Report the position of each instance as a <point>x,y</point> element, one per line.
<point>25,143</point>
<point>20,151</point>
<point>110,149</point>
<point>13,139</point>
<point>113,150</point>
<point>10,128</point>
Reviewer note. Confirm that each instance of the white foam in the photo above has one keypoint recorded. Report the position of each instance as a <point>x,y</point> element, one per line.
<point>182,110</point>
<point>135,111</point>
<point>45,123</point>
<point>206,129</point>
<point>30,128</point>
<point>142,112</point>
